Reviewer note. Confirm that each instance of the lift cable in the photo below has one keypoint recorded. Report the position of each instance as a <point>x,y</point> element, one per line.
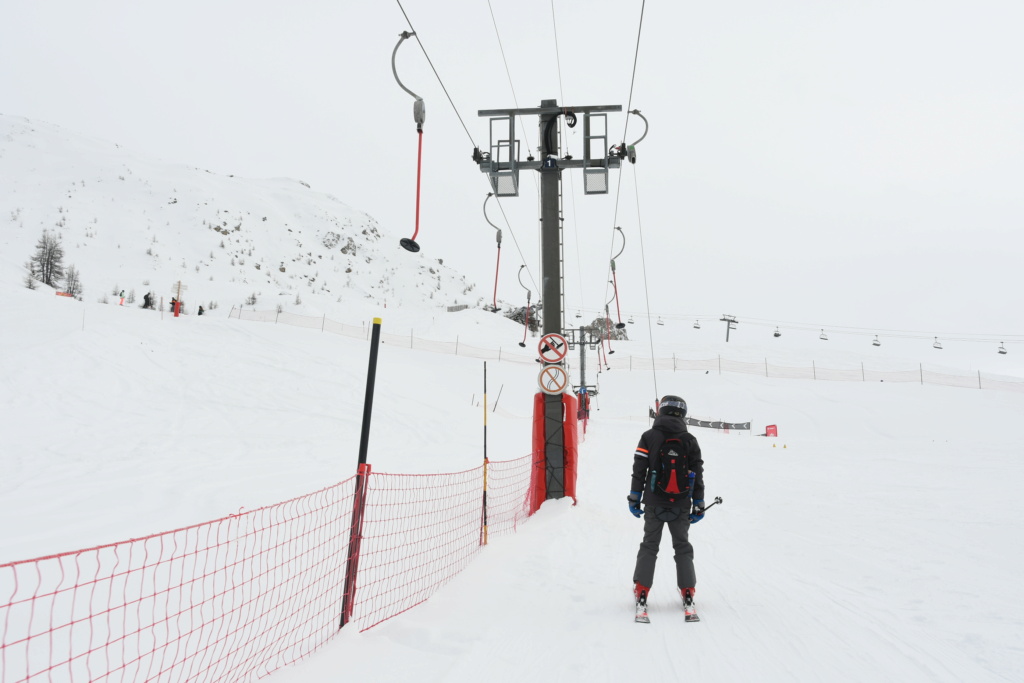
<point>647,298</point>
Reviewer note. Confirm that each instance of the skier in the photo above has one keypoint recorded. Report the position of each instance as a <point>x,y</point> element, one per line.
<point>147,300</point>
<point>668,477</point>
<point>122,298</point>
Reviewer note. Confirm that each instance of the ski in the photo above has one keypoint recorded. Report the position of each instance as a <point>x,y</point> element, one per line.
<point>689,609</point>
<point>641,614</point>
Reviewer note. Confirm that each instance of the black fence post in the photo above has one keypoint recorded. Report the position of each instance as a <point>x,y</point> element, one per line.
<point>362,478</point>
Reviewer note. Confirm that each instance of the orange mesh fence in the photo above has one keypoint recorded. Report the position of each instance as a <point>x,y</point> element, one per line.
<point>237,598</point>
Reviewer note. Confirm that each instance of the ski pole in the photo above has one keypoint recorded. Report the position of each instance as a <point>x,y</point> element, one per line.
<point>718,500</point>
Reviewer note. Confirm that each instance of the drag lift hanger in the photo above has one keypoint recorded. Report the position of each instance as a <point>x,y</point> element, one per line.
<point>608,327</point>
<point>526,319</point>
<point>615,280</point>
<point>419,114</point>
<point>625,151</point>
<point>498,263</point>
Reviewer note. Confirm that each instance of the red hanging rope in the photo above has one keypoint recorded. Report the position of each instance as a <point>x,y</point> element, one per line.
<point>496,266</point>
<point>406,242</point>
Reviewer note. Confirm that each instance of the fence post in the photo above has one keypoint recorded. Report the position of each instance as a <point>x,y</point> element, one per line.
<point>456,345</point>
<point>323,323</point>
<point>483,520</point>
<point>673,361</point>
<point>362,475</point>
<point>979,379</point>
<point>920,367</point>
<point>410,338</point>
<point>814,370</point>
<point>277,315</point>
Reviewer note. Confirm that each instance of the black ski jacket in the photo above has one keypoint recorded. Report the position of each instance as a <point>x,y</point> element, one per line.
<point>667,426</point>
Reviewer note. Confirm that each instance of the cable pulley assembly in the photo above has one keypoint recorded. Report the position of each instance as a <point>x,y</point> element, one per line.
<point>615,280</point>
<point>526,320</point>
<point>498,263</point>
<point>624,151</point>
<point>419,114</point>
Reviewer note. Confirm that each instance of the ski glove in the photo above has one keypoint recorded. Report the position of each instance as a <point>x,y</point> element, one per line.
<point>634,503</point>
<point>698,511</point>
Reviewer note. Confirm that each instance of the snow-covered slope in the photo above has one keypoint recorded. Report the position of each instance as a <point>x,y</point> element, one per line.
<point>141,225</point>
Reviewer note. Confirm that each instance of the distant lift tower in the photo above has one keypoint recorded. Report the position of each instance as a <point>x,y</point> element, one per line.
<point>502,165</point>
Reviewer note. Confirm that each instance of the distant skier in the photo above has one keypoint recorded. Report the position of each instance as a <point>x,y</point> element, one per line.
<point>668,477</point>
<point>201,309</point>
<point>147,300</point>
<point>122,298</point>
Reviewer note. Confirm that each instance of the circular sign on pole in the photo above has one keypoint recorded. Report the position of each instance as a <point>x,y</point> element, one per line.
<point>552,347</point>
<point>553,379</point>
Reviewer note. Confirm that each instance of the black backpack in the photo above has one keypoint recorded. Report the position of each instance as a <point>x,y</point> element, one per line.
<point>669,471</point>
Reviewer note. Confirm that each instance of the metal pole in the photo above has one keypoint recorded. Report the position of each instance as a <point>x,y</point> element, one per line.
<point>362,474</point>
<point>551,292</point>
<point>583,359</point>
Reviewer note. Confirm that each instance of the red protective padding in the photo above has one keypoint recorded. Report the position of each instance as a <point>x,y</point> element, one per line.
<point>538,475</point>
<point>571,441</point>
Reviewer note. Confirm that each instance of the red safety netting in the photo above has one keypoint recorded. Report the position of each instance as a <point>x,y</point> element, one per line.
<point>237,598</point>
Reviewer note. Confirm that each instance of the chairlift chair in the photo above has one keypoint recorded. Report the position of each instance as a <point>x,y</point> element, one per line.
<point>1002,349</point>
<point>578,315</point>
<point>660,321</point>
<point>696,324</point>
<point>630,321</point>
<point>823,337</point>
<point>937,344</point>
<point>777,333</point>
<point>876,342</point>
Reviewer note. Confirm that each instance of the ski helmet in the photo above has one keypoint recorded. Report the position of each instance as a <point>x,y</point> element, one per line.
<point>672,405</point>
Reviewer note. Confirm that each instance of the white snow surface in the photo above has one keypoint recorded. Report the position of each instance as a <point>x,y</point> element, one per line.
<point>878,538</point>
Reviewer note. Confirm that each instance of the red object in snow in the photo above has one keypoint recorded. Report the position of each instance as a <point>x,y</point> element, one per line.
<point>771,430</point>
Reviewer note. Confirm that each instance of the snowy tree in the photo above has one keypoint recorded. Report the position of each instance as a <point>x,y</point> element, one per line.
<point>73,282</point>
<point>47,264</point>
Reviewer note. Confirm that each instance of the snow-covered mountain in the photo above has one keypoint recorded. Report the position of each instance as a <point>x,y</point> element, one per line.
<point>127,222</point>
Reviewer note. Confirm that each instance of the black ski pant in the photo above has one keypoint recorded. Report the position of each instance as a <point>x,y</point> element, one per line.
<point>678,522</point>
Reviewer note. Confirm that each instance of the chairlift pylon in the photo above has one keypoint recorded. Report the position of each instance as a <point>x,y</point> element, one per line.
<point>876,342</point>
<point>1002,349</point>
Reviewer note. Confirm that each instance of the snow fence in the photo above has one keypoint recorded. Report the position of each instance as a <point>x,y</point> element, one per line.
<point>239,597</point>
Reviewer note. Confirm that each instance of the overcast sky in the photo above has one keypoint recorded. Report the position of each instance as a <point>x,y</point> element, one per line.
<point>846,163</point>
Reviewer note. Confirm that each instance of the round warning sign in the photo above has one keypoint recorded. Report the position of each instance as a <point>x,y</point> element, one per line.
<point>553,379</point>
<point>552,348</point>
